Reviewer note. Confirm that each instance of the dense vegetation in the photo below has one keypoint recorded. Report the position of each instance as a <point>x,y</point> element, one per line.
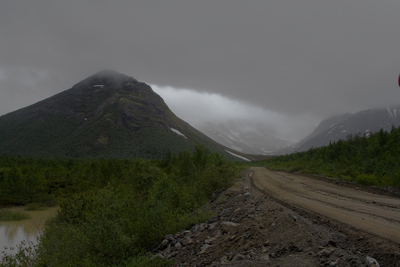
<point>114,210</point>
<point>372,160</point>
<point>111,211</point>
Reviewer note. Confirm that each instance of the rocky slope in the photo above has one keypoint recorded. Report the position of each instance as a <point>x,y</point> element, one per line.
<point>251,229</point>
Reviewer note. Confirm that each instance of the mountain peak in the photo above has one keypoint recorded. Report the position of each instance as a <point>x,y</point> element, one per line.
<point>107,115</point>
<point>110,74</point>
<point>105,77</point>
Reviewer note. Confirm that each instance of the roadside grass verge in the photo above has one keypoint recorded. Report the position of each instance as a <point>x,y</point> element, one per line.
<point>9,215</point>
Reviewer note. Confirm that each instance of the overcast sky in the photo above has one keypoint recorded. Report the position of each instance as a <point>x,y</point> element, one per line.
<point>296,61</point>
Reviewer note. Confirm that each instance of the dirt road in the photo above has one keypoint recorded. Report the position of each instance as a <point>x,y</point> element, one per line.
<point>278,219</point>
<point>372,213</point>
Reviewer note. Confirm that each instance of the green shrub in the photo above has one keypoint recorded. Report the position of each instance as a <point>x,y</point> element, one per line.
<point>367,179</point>
<point>296,168</point>
<point>95,228</point>
<point>45,200</point>
<point>111,211</point>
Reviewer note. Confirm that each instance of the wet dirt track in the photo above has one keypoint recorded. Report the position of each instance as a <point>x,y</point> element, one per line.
<point>371,213</point>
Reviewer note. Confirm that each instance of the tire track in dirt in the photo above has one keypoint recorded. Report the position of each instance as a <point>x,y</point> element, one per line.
<point>372,213</point>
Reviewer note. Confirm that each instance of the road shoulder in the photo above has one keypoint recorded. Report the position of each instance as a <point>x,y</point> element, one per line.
<point>252,229</point>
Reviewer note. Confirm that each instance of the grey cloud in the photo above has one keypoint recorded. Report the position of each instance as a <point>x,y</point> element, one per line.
<point>198,108</point>
<point>310,57</point>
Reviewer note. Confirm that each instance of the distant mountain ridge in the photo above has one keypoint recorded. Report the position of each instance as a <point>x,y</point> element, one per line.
<point>339,127</point>
<point>108,114</point>
<point>244,136</point>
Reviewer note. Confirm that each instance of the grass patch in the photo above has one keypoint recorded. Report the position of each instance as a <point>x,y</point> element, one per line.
<point>9,215</point>
<point>35,206</point>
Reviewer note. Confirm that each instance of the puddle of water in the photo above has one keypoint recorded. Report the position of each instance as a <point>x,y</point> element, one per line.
<point>13,232</point>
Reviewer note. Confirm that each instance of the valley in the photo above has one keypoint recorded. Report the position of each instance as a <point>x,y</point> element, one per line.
<point>112,155</point>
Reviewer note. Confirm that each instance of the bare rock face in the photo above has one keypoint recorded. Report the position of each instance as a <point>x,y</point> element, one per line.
<point>250,229</point>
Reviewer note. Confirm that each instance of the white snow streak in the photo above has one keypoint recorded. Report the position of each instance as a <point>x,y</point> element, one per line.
<point>178,132</point>
<point>233,154</point>
<point>388,110</point>
<point>332,129</point>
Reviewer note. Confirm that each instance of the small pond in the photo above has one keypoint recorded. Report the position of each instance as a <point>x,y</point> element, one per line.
<point>13,232</point>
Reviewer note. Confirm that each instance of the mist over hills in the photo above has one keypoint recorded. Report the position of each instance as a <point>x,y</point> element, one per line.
<point>244,136</point>
<point>109,115</point>
<point>113,115</point>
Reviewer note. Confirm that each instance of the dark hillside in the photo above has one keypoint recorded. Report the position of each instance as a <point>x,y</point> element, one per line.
<point>339,127</point>
<point>105,115</point>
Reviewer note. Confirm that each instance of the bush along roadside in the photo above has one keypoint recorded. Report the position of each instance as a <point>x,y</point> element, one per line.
<point>114,225</point>
<point>372,160</point>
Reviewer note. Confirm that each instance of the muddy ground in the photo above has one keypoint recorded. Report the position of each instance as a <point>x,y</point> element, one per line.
<point>255,228</point>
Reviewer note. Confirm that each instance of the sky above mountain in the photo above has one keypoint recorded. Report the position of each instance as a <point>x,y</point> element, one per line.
<point>292,62</point>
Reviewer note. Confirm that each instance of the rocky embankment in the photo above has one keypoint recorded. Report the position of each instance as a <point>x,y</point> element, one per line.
<point>251,229</point>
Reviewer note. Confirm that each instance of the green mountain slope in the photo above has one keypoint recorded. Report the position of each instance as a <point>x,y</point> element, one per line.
<point>107,115</point>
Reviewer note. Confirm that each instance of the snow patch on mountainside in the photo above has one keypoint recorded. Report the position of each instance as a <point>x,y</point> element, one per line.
<point>331,130</point>
<point>178,132</point>
<point>393,112</point>
<point>233,154</point>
